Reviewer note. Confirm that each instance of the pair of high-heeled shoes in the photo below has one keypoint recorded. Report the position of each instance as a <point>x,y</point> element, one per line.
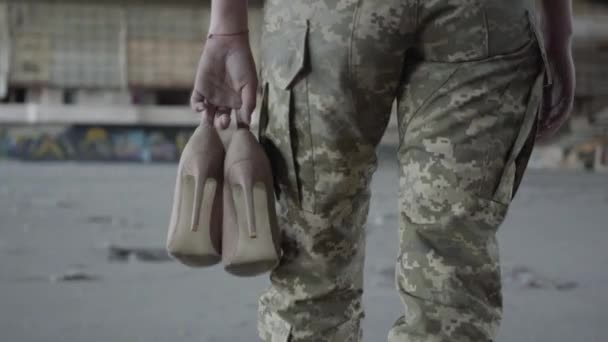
<point>236,225</point>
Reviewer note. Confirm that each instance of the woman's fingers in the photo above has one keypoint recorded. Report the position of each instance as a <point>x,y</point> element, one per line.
<point>210,113</point>
<point>554,116</point>
<point>220,94</point>
<point>222,121</point>
<point>222,118</point>
<point>197,101</point>
<point>223,110</point>
<point>558,98</point>
<point>248,97</point>
<point>218,116</point>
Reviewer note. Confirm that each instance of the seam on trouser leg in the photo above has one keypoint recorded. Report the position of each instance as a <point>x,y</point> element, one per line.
<point>351,71</point>
<point>426,100</point>
<point>487,32</point>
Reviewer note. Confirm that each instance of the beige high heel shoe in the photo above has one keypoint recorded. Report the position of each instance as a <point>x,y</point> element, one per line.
<point>194,237</point>
<point>250,239</point>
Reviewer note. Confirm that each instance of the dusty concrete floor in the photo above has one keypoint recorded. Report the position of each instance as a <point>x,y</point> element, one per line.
<point>56,218</point>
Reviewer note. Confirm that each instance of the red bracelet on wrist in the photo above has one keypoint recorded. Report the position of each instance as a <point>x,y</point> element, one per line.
<point>211,35</point>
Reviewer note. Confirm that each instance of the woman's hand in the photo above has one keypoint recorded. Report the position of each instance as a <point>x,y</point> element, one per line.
<point>226,80</point>
<point>559,97</point>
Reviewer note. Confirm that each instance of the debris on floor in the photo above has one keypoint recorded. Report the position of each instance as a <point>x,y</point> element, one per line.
<point>74,276</point>
<point>524,277</point>
<point>144,254</point>
<point>102,219</point>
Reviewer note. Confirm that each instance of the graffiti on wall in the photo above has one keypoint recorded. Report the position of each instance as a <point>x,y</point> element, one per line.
<point>164,144</point>
<point>93,143</point>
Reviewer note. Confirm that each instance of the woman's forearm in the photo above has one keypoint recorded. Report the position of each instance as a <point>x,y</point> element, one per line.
<point>557,20</point>
<point>228,16</point>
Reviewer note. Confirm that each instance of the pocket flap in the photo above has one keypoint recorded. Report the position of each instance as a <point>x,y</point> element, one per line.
<point>284,54</point>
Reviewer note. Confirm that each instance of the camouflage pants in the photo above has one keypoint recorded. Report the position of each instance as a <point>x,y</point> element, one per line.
<point>468,78</point>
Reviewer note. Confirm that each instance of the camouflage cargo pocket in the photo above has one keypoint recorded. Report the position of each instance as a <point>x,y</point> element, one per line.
<point>283,59</point>
<point>523,144</point>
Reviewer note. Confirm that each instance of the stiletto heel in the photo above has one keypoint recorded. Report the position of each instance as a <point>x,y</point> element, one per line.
<point>250,239</point>
<point>204,196</point>
<point>198,203</point>
<point>245,182</point>
<point>194,236</point>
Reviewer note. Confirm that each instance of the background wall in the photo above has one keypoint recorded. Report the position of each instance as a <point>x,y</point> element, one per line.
<point>91,64</point>
<point>93,143</point>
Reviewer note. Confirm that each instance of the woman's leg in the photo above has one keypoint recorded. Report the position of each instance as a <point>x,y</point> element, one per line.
<point>467,106</point>
<point>330,73</point>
